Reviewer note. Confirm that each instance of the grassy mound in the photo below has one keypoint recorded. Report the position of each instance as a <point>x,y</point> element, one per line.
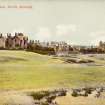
<point>27,70</point>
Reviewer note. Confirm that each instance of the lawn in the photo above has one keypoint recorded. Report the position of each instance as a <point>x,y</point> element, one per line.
<point>27,70</point>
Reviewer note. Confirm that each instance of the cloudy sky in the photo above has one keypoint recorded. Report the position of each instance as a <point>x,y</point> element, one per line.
<point>75,21</point>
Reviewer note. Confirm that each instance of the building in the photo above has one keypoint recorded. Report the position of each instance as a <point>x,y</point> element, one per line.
<point>102,46</point>
<point>18,41</point>
<point>2,42</point>
<point>61,48</point>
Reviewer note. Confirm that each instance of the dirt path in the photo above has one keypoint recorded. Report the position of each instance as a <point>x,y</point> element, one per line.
<point>15,98</point>
<point>69,100</point>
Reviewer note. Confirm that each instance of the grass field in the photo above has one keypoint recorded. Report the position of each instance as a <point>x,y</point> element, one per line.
<point>27,70</point>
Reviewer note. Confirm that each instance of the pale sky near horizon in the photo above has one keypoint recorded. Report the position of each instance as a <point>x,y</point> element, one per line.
<point>75,21</point>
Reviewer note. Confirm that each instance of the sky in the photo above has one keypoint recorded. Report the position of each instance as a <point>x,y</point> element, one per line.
<point>79,22</point>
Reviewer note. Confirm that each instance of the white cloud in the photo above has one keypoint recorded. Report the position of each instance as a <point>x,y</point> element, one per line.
<point>43,34</point>
<point>58,34</point>
<point>97,36</point>
<point>66,29</point>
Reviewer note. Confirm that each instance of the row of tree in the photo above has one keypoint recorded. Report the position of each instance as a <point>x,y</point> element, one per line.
<point>92,50</point>
<point>39,49</point>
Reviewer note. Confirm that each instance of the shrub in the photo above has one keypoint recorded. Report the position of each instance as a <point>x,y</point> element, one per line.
<point>39,95</point>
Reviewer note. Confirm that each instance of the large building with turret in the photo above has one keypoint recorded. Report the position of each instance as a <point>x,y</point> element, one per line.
<point>18,41</point>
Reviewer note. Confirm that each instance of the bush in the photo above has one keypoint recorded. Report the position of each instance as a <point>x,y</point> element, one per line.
<point>40,49</point>
<point>74,93</point>
<point>39,95</point>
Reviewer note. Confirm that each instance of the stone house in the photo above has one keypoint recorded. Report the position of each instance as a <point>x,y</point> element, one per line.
<point>19,41</point>
<point>61,48</point>
<point>2,41</point>
<point>101,46</point>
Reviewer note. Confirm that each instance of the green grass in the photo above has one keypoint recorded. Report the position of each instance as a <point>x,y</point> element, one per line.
<point>27,70</point>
